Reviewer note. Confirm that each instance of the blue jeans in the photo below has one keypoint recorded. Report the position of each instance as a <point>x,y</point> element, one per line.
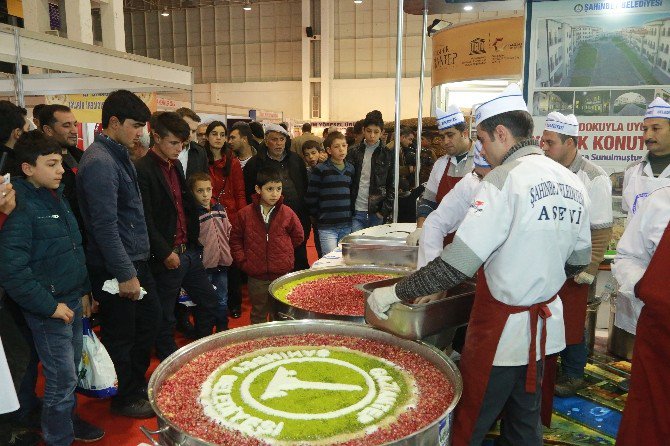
<point>59,348</point>
<point>219,280</point>
<point>364,220</point>
<point>329,237</point>
<point>573,360</point>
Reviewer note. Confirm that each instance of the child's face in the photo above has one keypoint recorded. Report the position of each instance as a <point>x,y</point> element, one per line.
<point>323,155</point>
<point>47,171</point>
<point>270,193</point>
<point>311,156</point>
<point>202,190</point>
<point>338,150</point>
<point>372,133</point>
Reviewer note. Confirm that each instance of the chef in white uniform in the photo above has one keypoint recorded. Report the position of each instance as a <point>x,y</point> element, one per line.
<point>449,169</point>
<point>452,210</point>
<point>640,179</point>
<point>642,236</point>
<point>526,231</point>
<point>559,142</point>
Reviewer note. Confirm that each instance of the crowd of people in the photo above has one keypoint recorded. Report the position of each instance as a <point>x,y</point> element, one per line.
<point>136,221</point>
<point>139,219</point>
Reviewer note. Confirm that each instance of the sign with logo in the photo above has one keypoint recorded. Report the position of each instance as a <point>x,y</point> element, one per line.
<point>262,115</point>
<point>88,107</point>
<point>482,50</point>
<point>167,103</point>
<point>290,395</point>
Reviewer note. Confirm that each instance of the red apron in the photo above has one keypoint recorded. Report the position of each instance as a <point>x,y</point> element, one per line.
<point>446,184</point>
<point>487,321</point>
<point>574,297</point>
<point>645,418</point>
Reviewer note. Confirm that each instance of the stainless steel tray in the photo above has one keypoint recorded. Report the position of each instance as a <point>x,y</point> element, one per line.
<point>410,321</point>
<point>285,311</point>
<point>380,251</point>
<point>437,432</point>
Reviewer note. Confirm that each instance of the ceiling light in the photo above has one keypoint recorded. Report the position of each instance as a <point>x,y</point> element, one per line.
<point>165,12</point>
<point>247,6</point>
<point>358,2</point>
<point>467,8</point>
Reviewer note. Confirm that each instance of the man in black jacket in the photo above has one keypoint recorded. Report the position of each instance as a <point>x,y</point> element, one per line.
<point>294,181</point>
<point>172,222</point>
<point>374,169</point>
<point>193,157</point>
<point>12,125</point>
<point>59,122</point>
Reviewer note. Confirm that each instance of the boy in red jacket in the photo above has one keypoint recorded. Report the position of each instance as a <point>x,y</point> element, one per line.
<point>263,239</point>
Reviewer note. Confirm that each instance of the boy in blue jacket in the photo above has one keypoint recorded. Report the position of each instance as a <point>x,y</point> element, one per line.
<point>43,269</point>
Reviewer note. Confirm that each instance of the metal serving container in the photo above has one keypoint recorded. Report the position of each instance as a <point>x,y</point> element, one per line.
<point>285,311</point>
<point>381,251</point>
<point>436,433</point>
<point>410,321</point>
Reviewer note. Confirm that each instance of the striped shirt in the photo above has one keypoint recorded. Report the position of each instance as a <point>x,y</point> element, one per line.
<point>329,194</point>
<point>215,236</point>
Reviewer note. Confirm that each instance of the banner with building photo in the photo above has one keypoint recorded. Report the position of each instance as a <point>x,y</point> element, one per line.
<point>604,61</point>
<point>492,49</point>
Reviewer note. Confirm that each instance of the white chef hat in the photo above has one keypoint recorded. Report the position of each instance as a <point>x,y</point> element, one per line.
<point>658,109</point>
<point>510,99</point>
<point>270,127</point>
<point>479,159</point>
<point>563,124</point>
<point>449,118</point>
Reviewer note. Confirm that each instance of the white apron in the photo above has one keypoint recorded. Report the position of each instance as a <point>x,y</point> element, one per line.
<point>639,186</point>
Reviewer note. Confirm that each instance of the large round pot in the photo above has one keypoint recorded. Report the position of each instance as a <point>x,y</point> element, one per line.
<point>285,311</point>
<point>436,433</point>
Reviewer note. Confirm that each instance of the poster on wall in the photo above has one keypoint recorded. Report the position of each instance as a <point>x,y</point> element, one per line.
<point>88,107</point>
<point>604,61</point>
<point>492,49</point>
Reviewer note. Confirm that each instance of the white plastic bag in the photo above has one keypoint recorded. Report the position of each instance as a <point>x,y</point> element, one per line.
<point>97,377</point>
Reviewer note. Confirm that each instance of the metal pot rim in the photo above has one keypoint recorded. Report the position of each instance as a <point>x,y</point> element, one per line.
<point>363,269</point>
<point>268,327</point>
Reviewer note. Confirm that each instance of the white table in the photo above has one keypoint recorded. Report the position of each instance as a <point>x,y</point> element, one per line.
<point>394,230</point>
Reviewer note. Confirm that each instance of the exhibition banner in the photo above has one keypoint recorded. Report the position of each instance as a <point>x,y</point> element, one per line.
<point>88,107</point>
<point>610,142</point>
<point>603,61</point>
<point>492,49</point>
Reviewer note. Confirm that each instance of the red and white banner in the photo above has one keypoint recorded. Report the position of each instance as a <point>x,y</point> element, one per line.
<point>609,141</point>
